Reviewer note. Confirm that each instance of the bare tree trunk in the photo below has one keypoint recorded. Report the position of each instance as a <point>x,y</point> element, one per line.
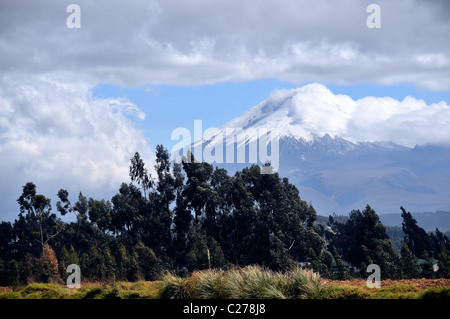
<point>40,229</point>
<point>209,258</point>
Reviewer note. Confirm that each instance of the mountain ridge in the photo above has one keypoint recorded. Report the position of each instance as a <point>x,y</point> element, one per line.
<point>337,173</point>
<point>427,220</point>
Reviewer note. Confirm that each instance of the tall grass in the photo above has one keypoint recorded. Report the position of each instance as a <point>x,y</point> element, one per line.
<point>173,287</point>
<point>248,282</point>
<point>304,284</point>
<point>255,282</point>
<point>251,282</point>
<point>209,284</point>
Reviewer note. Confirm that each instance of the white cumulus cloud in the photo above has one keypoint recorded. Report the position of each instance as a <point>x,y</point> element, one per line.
<point>57,135</point>
<point>316,110</point>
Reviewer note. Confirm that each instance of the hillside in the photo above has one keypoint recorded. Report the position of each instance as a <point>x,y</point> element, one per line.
<point>393,222</point>
<point>427,220</point>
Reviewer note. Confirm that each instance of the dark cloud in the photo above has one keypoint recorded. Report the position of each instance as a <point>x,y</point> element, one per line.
<point>194,42</point>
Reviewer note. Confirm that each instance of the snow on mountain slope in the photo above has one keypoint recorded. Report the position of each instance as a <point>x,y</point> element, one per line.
<point>313,110</point>
<point>343,154</point>
<point>303,113</point>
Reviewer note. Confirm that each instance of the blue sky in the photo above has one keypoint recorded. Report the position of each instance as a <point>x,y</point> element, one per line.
<point>168,107</point>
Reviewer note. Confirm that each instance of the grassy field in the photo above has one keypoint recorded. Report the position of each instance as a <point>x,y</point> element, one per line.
<point>244,283</point>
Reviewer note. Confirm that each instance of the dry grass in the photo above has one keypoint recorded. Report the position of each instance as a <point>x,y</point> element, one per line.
<point>250,282</point>
<point>390,289</point>
<point>240,283</point>
<point>119,290</point>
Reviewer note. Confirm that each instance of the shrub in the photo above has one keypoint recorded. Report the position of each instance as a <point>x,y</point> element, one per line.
<point>209,284</point>
<point>250,282</point>
<point>255,282</point>
<point>42,291</point>
<point>133,295</point>
<point>93,293</point>
<point>173,287</point>
<point>304,284</point>
<point>112,292</point>
<point>48,266</point>
<point>397,291</point>
<point>144,290</point>
<point>345,292</point>
<point>436,293</point>
<point>10,295</point>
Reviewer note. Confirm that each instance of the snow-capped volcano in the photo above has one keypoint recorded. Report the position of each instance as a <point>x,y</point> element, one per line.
<point>313,110</point>
<point>304,113</point>
<point>342,153</point>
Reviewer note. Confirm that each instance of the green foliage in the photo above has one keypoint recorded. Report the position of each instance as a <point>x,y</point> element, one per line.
<point>10,273</point>
<point>118,290</point>
<point>173,287</point>
<point>48,263</point>
<point>112,292</point>
<point>427,267</point>
<point>241,283</point>
<point>410,268</point>
<point>254,282</point>
<point>10,295</point>
<point>305,284</point>
<point>416,237</point>
<point>93,265</point>
<point>436,293</point>
<point>194,217</point>
<point>345,292</point>
<point>148,263</point>
<point>139,173</point>
<point>397,291</point>
<point>204,251</point>
<point>42,291</point>
<point>209,284</point>
<point>139,290</point>
<point>93,293</point>
<point>444,263</point>
<point>362,240</point>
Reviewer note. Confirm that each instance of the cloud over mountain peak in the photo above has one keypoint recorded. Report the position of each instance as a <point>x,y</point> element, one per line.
<point>314,110</point>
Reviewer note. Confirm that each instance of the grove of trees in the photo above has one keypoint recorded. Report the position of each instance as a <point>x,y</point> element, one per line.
<point>194,216</point>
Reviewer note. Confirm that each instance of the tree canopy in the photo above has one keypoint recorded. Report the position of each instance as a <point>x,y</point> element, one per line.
<point>193,216</point>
